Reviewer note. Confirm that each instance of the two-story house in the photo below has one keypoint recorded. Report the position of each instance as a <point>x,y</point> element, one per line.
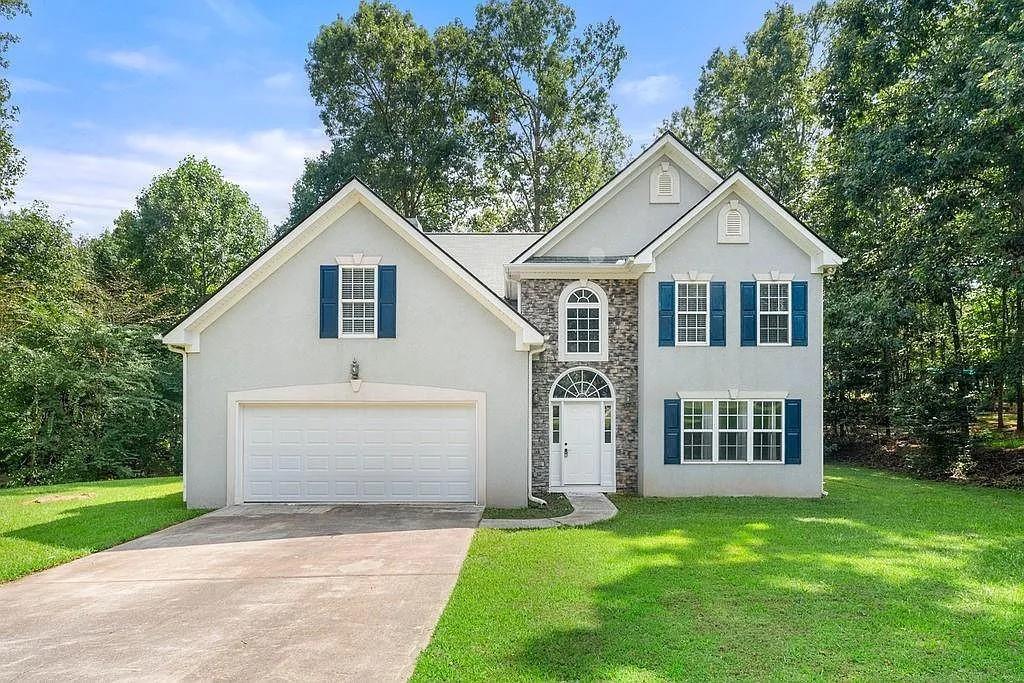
<point>664,339</point>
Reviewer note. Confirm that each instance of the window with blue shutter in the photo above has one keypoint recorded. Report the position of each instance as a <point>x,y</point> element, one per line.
<point>793,420</point>
<point>387,300</point>
<point>717,314</point>
<point>799,294</point>
<point>666,314</point>
<point>748,314</point>
<point>328,302</point>
<point>672,437</point>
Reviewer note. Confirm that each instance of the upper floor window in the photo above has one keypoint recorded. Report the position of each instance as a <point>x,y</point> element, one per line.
<point>358,301</point>
<point>664,184</point>
<point>734,223</point>
<point>773,313</point>
<point>583,322</point>
<point>692,313</point>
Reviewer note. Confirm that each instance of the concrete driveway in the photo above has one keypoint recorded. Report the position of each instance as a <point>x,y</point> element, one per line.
<point>345,592</point>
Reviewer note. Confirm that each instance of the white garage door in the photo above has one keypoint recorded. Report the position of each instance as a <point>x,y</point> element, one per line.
<point>327,453</point>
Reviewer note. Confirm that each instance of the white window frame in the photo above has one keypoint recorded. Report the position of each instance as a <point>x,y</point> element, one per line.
<point>342,302</point>
<point>788,312</point>
<point>715,430</point>
<point>563,322</point>
<point>707,312</point>
<point>660,168</point>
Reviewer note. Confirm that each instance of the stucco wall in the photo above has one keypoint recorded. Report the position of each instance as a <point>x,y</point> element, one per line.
<point>664,371</point>
<point>628,220</point>
<point>539,304</point>
<point>445,339</point>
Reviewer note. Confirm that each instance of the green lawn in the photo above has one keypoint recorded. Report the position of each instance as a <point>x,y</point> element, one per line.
<point>42,526</point>
<point>888,577</point>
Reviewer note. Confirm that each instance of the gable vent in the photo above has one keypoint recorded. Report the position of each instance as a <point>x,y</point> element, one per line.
<point>734,223</point>
<point>664,184</point>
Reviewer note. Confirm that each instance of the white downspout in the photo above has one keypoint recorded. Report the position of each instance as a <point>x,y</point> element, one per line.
<point>529,432</point>
<point>184,419</point>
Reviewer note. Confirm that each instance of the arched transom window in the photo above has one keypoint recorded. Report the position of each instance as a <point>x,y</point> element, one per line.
<point>581,383</point>
<point>583,322</point>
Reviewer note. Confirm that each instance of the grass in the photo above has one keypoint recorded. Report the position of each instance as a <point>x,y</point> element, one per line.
<point>886,578</point>
<point>557,506</point>
<point>993,437</point>
<point>43,526</point>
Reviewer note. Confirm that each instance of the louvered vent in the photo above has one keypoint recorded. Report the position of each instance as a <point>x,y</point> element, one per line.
<point>664,184</point>
<point>734,223</point>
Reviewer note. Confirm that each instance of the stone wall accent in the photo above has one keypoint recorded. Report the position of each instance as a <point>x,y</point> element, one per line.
<point>539,304</point>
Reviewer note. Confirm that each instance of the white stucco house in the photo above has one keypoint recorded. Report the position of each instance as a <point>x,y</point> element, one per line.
<point>664,339</point>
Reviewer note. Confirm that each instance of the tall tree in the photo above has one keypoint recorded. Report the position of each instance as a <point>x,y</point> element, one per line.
<point>190,231</point>
<point>392,98</point>
<point>12,164</point>
<point>548,129</point>
<point>757,109</point>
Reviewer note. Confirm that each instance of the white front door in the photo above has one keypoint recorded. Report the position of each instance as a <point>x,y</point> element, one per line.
<point>581,442</point>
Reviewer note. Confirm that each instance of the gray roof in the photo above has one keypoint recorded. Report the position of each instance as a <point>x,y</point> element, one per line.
<point>576,259</point>
<point>485,254</point>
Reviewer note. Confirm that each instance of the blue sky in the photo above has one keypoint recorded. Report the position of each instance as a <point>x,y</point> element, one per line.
<point>113,93</point>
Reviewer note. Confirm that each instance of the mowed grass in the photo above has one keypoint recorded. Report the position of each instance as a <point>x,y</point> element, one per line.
<point>43,526</point>
<point>886,578</point>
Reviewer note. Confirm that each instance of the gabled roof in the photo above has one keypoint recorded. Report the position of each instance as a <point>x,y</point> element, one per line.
<point>484,253</point>
<point>186,333</point>
<point>789,225</point>
<point>666,144</point>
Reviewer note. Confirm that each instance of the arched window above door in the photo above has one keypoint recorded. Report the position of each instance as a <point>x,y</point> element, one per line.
<point>581,383</point>
<point>583,322</point>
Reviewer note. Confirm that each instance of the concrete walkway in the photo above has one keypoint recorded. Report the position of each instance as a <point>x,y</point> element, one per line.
<point>587,508</point>
<point>268,593</point>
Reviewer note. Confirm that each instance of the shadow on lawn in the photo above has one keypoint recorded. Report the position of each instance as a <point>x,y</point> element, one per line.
<point>810,588</point>
<point>86,527</point>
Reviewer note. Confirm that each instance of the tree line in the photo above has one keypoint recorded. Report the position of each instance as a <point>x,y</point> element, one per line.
<point>891,127</point>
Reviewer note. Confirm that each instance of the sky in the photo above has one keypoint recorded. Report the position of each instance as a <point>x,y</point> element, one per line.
<point>110,94</point>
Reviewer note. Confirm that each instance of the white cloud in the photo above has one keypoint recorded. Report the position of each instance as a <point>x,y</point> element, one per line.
<point>143,61</point>
<point>19,84</point>
<point>281,80</point>
<point>92,189</point>
<point>652,89</point>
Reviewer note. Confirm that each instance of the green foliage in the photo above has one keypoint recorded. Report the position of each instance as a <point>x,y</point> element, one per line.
<point>12,164</point>
<point>81,396</point>
<point>392,98</point>
<point>548,130</point>
<point>757,110</point>
<point>191,230</point>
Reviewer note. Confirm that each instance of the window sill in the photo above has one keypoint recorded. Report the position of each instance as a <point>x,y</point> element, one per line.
<point>731,462</point>
<point>582,357</point>
<point>357,336</point>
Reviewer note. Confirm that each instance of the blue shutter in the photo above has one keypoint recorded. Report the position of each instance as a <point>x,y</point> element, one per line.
<point>328,302</point>
<point>792,431</point>
<point>717,314</point>
<point>666,314</point>
<point>799,294</point>
<point>748,314</point>
<point>387,298</point>
<point>672,437</point>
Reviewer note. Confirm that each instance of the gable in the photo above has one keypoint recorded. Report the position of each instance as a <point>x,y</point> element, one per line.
<point>760,207</point>
<point>694,174</point>
<point>186,334</point>
<point>628,219</point>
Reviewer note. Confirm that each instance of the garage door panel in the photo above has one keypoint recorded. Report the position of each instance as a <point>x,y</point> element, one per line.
<point>359,453</point>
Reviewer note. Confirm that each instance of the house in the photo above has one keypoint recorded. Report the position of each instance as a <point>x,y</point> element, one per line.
<point>664,339</point>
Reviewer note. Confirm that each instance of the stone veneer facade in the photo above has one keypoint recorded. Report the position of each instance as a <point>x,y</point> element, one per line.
<point>539,304</point>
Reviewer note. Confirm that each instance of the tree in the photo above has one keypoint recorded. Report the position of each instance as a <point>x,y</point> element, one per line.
<point>392,98</point>
<point>757,110</point>
<point>191,231</point>
<point>548,130</point>
<point>12,164</point>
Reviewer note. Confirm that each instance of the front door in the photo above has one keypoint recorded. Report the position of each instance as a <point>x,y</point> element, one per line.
<point>581,442</point>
